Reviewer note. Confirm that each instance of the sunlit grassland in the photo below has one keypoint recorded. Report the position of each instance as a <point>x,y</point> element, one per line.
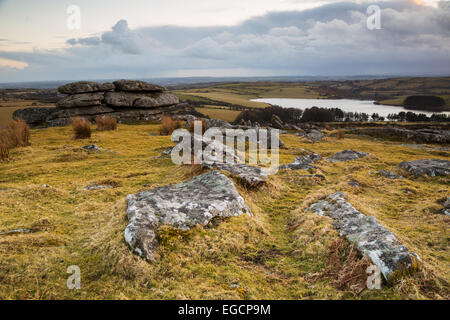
<point>265,255</point>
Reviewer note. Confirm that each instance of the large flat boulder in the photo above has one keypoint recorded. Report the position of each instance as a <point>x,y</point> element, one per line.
<point>206,198</point>
<point>369,236</point>
<point>429,167</point>
<point>347,155</point>
<point>85,87</point>
<point>140,100</point>
<point>137,86</point>
<point>81,100</point>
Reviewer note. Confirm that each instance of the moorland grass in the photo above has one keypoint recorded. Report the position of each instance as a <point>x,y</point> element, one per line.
<point>281,252</point>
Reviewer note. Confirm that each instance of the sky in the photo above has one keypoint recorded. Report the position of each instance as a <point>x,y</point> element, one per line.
<point>186,38</point>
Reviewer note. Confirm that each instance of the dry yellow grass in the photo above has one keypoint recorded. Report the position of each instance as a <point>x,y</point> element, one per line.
<point>280,253</point>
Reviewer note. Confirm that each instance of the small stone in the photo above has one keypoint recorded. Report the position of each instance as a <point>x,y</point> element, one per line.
<point>91,147</point>
<point>390,175</point>
<point>347,155</point>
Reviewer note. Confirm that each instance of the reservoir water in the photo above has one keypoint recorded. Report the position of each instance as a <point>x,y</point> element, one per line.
<point>346,105</point>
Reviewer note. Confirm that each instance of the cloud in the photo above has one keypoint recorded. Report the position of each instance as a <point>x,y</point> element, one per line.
<point>328,40</point>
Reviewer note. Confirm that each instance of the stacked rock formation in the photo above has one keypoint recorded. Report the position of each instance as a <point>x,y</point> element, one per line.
<point>128,101</point>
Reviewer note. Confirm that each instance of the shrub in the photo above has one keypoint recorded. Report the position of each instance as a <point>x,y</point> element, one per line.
<point>15,134</point>
<point>192,126</point>
<point>106,123</point>
<point>81,128</point>
<point>169,125</point>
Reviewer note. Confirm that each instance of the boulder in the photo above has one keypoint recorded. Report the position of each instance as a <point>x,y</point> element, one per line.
<point>204,200</point>
<point>430,167</point>
<point>347,155</point>
<point>85,87</point>
<point>314,135</point>
<point>81,100</point>
<point>217,123</point>
<point>140,100</point>
<point>390,175</point>
<point>137,86</point>
<point>303,162</point>
<point>277,123</point>
<point>369,236</point>
<point>250,175</point>
<point>33,116</point>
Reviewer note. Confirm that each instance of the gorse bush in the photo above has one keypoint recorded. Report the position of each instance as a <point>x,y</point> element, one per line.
<point>168,126</point>
<point>81,128</point>
<point>15,134</point>
<point>106,123</point>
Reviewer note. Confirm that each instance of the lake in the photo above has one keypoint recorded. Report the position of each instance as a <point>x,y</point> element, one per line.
<point>346,105</point>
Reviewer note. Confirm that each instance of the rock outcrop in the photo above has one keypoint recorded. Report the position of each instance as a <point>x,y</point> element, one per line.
<point>421,136</point>
<point>370,237</point>
<point>128,101</point>
<point>204,200</point>
<point>347,155</point>
<point>429,167</point>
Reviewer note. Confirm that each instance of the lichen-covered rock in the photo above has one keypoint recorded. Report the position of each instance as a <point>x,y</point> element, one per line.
<point>137,86</point>
<point>430,167</point>
<point>303,162</point>
<point>370,237</point>
<point>85,87</point>
<point>252,176</point>
<point>140,100</point>
<point>207,198</point>
<point>390,175</point>
<point>314,135</point>
<point>347,155</point>
<point>81,100</point>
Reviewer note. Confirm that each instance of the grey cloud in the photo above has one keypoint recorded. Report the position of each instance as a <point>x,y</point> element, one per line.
<point>329,40</point>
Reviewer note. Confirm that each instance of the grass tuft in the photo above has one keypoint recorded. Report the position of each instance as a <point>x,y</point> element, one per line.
<point>81,128</point>
<point>106,123</point>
